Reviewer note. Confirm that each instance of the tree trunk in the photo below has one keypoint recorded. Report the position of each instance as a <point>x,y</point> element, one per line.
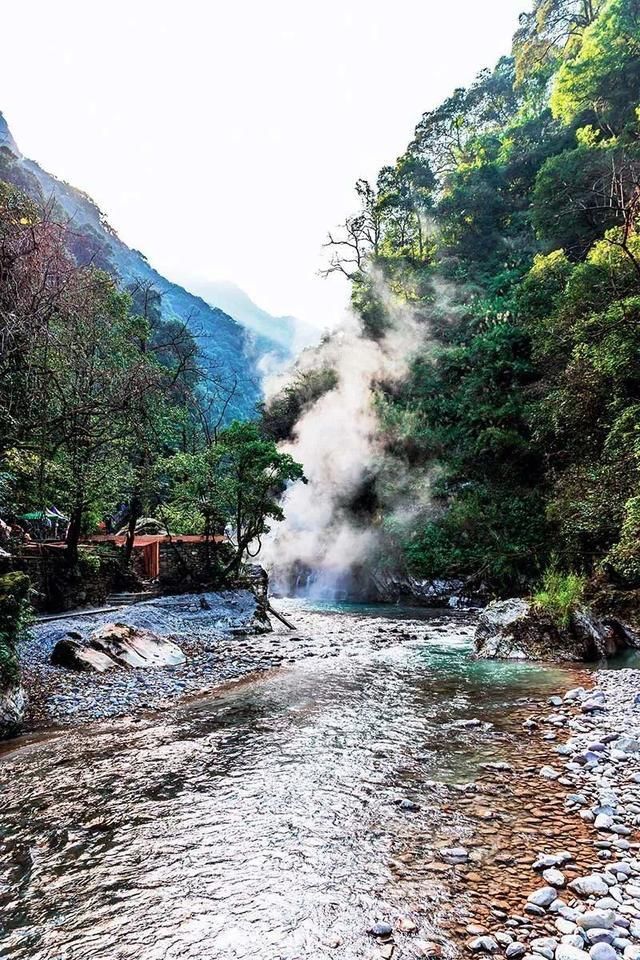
<point>135,512</point>
<point>207,542</point>
<point>73,535</point>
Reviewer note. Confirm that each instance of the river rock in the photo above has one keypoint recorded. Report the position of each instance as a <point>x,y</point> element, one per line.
<point>381,929</point>
<point>603,822</point>
<point>544,946</point>
<point>551,859</point>
<point>575,693</point>
<point>428,949</point>
<point>516,629</point>
<point>543,897</point>
<point>116,645</point>
<point>602,951</point>
<point>484,945</point>
<point>549,773</point>
<point>606,903</point>
<point>553,877</point>
<point>71,653</point>
<point>455,854</point>
<point>596,918</point>
<point>592,705</point>
<point>599,935</point>
<point>503,938</point>
<point>590,886</point>
<point>13,703</point>
<point>515,950</point>
<point>567,952</point>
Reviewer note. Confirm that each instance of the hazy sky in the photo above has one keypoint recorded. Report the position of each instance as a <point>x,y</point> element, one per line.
<point>223,139</point>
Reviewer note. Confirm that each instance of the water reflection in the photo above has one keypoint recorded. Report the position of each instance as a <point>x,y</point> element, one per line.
<point>264,823</point>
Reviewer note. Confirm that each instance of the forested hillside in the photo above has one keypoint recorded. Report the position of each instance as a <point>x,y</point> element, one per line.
<point>228,348</point>
<point>113,408</point>
<point>509,228</point>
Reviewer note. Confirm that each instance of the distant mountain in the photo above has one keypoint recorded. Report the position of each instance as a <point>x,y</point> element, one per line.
<point>234,352</point>
<point>6,139</point>
<point>289,333</point>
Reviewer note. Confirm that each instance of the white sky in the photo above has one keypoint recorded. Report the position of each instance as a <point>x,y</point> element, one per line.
<point>223,138</point>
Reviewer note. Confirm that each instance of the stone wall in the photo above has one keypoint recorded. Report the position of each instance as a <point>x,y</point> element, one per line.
<point>182,563</point>
<point>55,588</point>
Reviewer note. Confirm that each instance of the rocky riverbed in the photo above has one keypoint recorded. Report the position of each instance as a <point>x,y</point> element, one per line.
<point>223,636</point>
<point>385,795</point>
<point>567,887</point>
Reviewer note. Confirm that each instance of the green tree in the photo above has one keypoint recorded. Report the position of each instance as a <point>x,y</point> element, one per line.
<point>603,80</point>
<point>234,482</point>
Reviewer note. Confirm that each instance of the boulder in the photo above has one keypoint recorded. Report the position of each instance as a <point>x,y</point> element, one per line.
<point>13,703</point>
<point>116,646</point>
<point>516,630</point>
<point>390,587</point>
<point>71,653</point>
<point>135,647</point>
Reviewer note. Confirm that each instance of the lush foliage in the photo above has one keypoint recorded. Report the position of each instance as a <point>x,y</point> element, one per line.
<point>560,594</point>
<point>235,480</point>
<point>14,622</point>
<point>107,411</point>
<point>510,225</point>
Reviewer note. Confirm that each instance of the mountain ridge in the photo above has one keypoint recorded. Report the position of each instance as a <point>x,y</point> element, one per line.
<point>232,351</point>
<point>287,331</point>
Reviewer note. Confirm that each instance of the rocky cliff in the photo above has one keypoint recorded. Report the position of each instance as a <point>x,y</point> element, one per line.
<point>516,629</point>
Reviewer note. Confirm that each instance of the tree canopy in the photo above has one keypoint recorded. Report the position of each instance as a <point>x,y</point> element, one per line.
<point>520,194</point>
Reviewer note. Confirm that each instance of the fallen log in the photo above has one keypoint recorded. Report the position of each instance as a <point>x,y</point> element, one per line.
<point>280,617</point>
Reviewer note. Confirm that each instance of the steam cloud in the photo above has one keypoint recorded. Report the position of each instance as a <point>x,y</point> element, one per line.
<point>338,441</point>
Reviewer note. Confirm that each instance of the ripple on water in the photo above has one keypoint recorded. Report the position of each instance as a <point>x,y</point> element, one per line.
<point>262,823</point>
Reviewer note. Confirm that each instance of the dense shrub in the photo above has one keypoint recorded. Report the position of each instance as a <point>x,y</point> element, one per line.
<point>560,594</point>
<point>14,620</point>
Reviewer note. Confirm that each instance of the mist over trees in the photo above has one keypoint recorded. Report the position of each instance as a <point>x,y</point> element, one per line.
<point>510,227</point>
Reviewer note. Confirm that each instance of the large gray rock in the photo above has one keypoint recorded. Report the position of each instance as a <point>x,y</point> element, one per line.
<point>511,630</point>
<point>135,647</point>
<point>70,652</point>
<point>516,630</point>
<point>396,588</point>
<point>13,703</point>
<point>590,886</point>
<point>116,646</point>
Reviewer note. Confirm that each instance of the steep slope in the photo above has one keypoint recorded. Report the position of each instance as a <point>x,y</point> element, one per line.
<point>289,333</point>
<point>231,352</point>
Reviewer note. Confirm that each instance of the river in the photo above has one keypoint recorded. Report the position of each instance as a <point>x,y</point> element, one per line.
<point>267,821</point>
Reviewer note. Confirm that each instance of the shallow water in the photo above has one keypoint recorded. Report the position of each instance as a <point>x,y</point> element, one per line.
<point>264,822</point>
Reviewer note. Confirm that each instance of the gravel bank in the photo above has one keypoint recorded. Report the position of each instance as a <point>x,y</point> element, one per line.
<point>218,632</point>
<point>583,910</point>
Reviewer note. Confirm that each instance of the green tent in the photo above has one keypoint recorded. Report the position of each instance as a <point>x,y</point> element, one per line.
<point>43,515</point>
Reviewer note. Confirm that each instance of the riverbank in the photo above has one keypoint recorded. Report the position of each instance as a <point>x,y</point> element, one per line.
<point>550,865</point>
<point>224,636</point>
